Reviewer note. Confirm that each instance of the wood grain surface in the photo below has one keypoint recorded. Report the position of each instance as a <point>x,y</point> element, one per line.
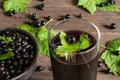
<point>55,9</point>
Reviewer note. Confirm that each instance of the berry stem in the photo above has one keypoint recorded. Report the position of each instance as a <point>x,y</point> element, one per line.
<point>87,64</point>
<point>102,46</point>
<point>48,22</point>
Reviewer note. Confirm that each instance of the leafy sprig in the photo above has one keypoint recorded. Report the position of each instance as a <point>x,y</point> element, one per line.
<point>109,56</point>
<point>17,5</point>
<point>93,5</point>
<point>70,49</point>
<point>9,53</point>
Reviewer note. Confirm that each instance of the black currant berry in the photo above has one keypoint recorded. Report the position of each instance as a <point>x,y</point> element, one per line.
<point>100,63</point>
<point>117,52</point>
<point>2,42</point>
<point>43,23</point>
<point>41,6</point>
<point>113,26</point>
<point>108,71</point>
<point>112,1</point>
<point>67,16</point>
<point>39,68</point>
<point>14,11</point>
<point>71,39</point>
<point>49,17</point>
<point>102,4</point>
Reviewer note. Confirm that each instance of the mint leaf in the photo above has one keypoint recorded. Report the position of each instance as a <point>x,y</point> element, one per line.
<point>111,60</point>
<point>108,8</point>
<point>41,35</point>
<point>92,5</point>
<point>7,55</point>
<point>18,5</point>
<point>70,49</point>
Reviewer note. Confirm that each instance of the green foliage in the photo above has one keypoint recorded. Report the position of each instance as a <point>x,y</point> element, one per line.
<point>70,49</point>
<point>9,53</point>
<point>18,5</point>
<point>111,59</point>
<point>92,5</point>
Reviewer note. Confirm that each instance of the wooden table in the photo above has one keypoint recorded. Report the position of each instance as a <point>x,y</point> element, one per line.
<point>57,8</point>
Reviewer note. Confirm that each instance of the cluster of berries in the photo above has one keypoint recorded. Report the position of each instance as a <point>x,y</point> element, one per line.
<point>107,3</point>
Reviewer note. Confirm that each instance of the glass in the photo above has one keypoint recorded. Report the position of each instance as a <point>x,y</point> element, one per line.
<point>83,64</point>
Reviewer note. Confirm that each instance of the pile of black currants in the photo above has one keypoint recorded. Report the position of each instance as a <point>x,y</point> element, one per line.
<point>35,21</point>
<point>24,49</point>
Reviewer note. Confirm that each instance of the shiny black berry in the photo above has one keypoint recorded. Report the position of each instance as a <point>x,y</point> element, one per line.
<point>113,26</point>
<point>67,16</point>
<point>102,4</point>
<point>43,23</point>
<point>14,11</point>
<point>49,17</point>
<point>71,39</point>
<point>100,63</point>
<point>41,6</point>
<point>39,68</point>
<point>117,52</point>
<point>2,42</point>
<point>112,1</point>
<point>108,71</point>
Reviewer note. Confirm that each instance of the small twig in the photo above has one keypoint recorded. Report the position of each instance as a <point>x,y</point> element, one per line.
<point>48,22</point>
<point>88,65</point>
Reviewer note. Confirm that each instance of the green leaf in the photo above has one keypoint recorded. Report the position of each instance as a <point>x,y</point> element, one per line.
<point>92,5</point>
<point>108,8</point>
<point>7,55</point>
<point>29,28</point>
<point>111,59</point>
<point>6,39</point>
<point>84,42</point>
<point>18,5</point>
<point>41,35</point>
<point>70,49</point>
<point>114,44</point>
<point>10,53</point>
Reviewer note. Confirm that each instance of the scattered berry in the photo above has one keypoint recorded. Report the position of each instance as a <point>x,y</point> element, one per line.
<point>100,63</point>
<point>49,17</point>
<point>108,71</point>
<point>117,52</point>
<point>43,23</point>
<point>39,68</point>
<point>67,16</point>
<point>41,6</point>
<point>102,4</point>
<point>113,26</point>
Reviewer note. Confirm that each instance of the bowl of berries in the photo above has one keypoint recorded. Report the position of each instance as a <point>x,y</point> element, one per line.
<point>18,54</point>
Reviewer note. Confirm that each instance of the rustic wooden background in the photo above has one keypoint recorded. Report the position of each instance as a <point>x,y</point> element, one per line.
<point>55,9</point>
